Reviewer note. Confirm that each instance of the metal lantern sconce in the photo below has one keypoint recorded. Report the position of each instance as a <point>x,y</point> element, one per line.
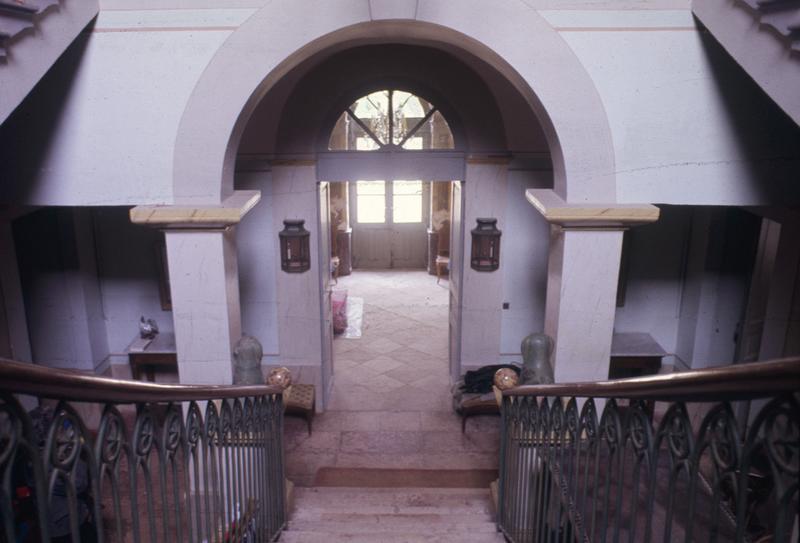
<point>485,246</point>
<point>294,246</point>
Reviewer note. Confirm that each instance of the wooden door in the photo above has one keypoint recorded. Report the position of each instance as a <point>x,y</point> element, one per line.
<point>389,223</point>
<point>325,290</point>
<point>371,225</point>
<point>409,205</point>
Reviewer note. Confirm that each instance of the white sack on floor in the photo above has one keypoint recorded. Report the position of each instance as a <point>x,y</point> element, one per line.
<point>355,317</point>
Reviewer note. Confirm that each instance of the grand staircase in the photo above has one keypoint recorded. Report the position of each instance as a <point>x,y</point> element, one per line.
<point>18,17</point>
<point>763,36</point>
<point>391,515</point>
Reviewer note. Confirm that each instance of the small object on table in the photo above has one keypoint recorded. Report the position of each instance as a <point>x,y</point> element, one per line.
<point>301,403</point>
<point>148,329</point>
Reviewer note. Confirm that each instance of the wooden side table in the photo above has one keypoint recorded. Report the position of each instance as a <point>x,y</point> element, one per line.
<point>149,354</point>
<point>634,354</point>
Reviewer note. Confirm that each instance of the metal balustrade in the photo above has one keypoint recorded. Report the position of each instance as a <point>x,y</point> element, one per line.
<point>108,460</point>
<point>661,458</point>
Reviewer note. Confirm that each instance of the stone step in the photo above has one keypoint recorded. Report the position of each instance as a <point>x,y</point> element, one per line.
<point>391,515</point>
<point>452,499</point>
<point>480,510</point>
<point>388,537</point>
<point>423,524</point>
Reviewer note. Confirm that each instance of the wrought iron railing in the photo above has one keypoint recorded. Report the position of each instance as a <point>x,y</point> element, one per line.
<point>661,458</point>
<point>108,460</point>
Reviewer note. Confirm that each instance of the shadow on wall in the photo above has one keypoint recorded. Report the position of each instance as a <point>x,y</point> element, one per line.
<point>767,138</point>
<point>26,136</point>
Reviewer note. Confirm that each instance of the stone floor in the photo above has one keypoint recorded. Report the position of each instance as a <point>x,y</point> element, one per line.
<point>391,406</point>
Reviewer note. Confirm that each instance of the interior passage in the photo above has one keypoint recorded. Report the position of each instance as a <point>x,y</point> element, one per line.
<point>391,402</point>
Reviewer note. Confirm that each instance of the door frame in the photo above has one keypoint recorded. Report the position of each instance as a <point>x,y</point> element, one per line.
<point>456,237</point>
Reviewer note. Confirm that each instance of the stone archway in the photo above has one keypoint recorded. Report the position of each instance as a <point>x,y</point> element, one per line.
<point>509,35</point>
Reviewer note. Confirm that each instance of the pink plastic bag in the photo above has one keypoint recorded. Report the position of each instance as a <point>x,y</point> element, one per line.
<point>339,308</point>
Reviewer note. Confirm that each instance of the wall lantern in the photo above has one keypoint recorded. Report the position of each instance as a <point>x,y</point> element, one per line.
<point>485,245</point>
<point>294,246</point>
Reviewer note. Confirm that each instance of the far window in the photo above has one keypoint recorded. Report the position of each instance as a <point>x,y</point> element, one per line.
<point>371,201</point>
<point>375,199</point>
<point>406,201</point>
<point>391,119</point>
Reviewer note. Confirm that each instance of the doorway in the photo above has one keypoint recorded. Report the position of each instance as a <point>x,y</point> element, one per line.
<point>397,227</point>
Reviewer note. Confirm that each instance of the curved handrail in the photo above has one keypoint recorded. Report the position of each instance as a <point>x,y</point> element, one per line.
<point>23,378</point>
<point>741,381</point>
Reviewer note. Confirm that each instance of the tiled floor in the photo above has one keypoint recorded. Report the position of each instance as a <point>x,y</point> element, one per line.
<point>391,404</point>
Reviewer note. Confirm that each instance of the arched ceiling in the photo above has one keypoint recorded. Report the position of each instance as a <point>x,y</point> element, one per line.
<point>486,114</point>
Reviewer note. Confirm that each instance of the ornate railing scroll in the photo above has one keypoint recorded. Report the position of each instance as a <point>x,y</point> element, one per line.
<point>660,458</point>
<point>108,460</point>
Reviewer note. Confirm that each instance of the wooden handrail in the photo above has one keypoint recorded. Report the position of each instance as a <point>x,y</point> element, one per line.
<point>22,378</point>
<point>736,382</point>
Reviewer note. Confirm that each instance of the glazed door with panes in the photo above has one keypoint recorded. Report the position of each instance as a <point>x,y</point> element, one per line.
<point>390,226</point>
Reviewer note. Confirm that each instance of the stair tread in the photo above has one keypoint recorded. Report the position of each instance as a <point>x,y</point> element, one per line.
<point>384,495</point>
<point>323,537</point>
<point>388,523</point>
<point>313,511</point>
<point>391,515</point>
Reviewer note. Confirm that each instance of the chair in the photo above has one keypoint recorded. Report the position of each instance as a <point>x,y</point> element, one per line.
<point>301,403</point>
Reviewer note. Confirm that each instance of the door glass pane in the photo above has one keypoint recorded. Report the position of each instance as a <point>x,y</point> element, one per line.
<point>407,199</point>
<point>371,201</point>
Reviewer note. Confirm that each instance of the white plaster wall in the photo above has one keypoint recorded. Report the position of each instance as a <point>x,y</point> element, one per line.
<point>654,277</point>
<point>61,289</point>
<point>682,133</point>
<point>714,293</point>
<point>688,126</point>
<point>256,240</point>
<point>523,253</point>
<point>128,270</point>
<point>295,196</point>
<point>485,188</point>
<point>111,141</point>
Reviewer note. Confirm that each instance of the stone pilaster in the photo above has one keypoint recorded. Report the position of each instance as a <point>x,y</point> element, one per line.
<point>583,270</point>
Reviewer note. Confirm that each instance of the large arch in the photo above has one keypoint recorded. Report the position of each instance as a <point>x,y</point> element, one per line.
<point>508,34</point>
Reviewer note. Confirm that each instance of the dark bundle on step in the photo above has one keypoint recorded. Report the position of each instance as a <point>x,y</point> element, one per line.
<point>480,380</point>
